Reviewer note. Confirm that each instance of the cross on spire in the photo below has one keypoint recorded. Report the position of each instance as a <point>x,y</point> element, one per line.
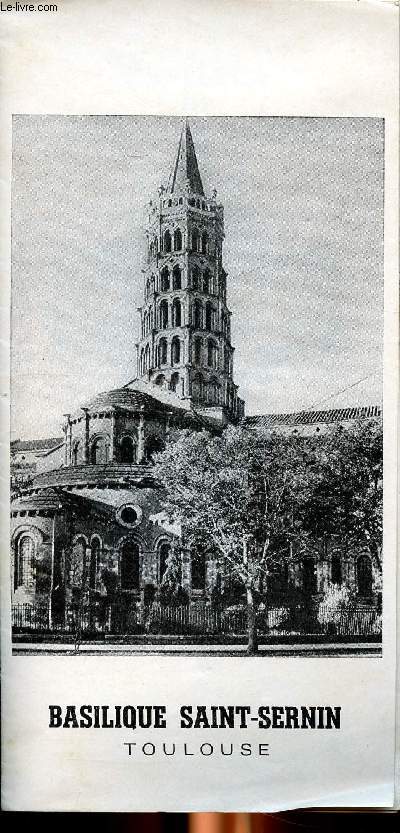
<point>185,173</point>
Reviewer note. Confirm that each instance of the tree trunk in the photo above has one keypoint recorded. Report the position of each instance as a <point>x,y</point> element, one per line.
<point>252,644</point>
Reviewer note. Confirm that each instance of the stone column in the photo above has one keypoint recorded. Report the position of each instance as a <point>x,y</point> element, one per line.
<point>70,442</point>
<point>140,451</point>
<point>67,449</point>
<point>112,436</point>
<point>86,437</point>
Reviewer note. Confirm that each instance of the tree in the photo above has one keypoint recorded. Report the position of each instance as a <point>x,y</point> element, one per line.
<point>244,494</point>
<point>347,500</point>
<point>336,599</point>
<point>170,592</point>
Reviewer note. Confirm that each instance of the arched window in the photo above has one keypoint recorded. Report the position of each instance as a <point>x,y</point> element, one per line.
<point>177,240</point>
<point>222,283</point>
<point>336,570</point>
<point>167,241</point>
<point>147,288</point>
<point>176,313</point>
<point>164,551</point>
<point>141,361</point>
<point>195,277</point>
<point>309,577</point>
<point>207,281</point>
<point>195,240</point>
<point>198,388</point>
<point>198,572</point>
<point>76,453</point>
<point>165,280</point>
<point>209,316</point>
<point>174,381</point>
<point>164,315</point>
<point>364,576</point>
<point>160,379</point>
<point>176,278</point>
<point>204,242</point>
<point>197,350</point>
<point>175,350</point>
<point>94,561</point>
<point>226,361</point>
<point>128,451</point>
<point>24,563</point>
<point>153,446</point>
<point>146,357</point>
<point>162,351</point>
<point>99,451</point>
<point>213,392</point>
<point>130,566</point>
<point>212,353</point>
<point>197,314</point>
<point>144,327</point>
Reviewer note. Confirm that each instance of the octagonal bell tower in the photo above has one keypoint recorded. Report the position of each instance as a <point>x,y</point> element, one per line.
<point>185,331</point>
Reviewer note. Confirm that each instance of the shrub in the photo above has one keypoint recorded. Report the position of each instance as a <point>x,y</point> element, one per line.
<point>336,600</point>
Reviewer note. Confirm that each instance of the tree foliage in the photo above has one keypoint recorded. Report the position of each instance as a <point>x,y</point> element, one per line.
<point>256,499</point>
<point>347,500</point>
<point>244,493</point>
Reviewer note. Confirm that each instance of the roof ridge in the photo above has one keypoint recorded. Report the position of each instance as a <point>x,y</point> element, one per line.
<point>315,416</point>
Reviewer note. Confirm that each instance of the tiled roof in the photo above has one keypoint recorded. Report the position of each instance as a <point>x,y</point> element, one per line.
<point>159,394</point>
<point>125,397</point>
<point>315,417</point>
<point>47,499</point>
<point>36,445</point>
<point>93,474</point>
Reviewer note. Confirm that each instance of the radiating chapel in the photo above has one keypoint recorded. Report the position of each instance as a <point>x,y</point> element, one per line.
<point>90,496</point>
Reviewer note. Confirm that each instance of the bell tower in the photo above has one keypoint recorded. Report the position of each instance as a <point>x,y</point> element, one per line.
<point>185,329</point>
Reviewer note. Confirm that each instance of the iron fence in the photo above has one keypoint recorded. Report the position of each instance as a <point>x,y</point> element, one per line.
<point>195,620</point>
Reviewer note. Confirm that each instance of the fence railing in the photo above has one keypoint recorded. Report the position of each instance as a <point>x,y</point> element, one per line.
<point>195,620</point>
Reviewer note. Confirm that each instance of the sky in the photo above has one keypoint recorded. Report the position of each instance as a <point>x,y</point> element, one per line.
<point>303,200</point>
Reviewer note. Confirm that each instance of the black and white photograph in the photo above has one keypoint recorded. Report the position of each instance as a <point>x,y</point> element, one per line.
<point>196,383</point>
<point>199,407</point>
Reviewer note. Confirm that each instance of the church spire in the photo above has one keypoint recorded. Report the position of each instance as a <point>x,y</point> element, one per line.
<point>186,172</point>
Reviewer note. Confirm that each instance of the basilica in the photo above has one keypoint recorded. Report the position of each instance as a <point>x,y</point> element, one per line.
<point>93,494</point>
<point>90,510</point>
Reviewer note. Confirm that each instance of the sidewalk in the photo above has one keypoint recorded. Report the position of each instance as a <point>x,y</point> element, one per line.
<point>369,649</point>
